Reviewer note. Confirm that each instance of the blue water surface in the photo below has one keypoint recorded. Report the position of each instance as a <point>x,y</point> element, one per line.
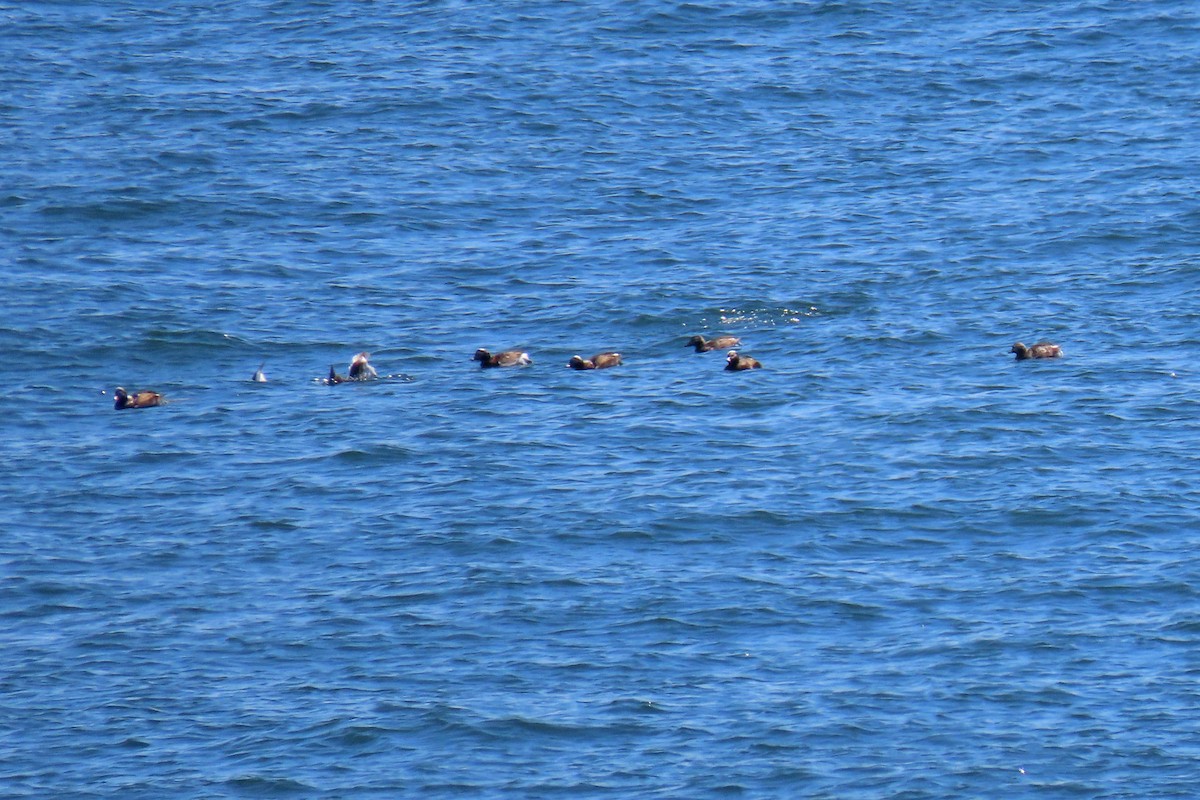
<point>893,563</point>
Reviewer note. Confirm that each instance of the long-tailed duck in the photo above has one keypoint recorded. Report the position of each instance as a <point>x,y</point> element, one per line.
<point>598,361</point>
<point>1039,350</point>
<point>736,363</point>
<point>509,358</point>
<point>144,399</point>
<point>706,346</point>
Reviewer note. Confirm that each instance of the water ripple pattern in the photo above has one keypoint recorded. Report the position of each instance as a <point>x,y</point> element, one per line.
<point>895,562</point>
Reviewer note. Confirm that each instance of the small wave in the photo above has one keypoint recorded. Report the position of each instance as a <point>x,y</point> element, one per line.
<point>273,524</point>
<point>113,210</point>
<point>636,705</point>
<point>42,610</point>
<point>171,339</point>
<point>525,726</point>
<point>378,452</point>
<point>260,785</point>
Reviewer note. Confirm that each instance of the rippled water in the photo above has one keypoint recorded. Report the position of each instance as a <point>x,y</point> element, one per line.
<point>893,563</point>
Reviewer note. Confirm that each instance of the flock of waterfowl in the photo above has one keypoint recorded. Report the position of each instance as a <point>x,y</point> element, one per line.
<point>361,369</point>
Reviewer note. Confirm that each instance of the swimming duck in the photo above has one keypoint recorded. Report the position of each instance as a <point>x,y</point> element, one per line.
<point>1039,350</point>
<point>509,358</point>
<point>736,363</point>
<point>598,361</point>
<point>360,369</point>
<point>145,399</point>
<point>719,343</point>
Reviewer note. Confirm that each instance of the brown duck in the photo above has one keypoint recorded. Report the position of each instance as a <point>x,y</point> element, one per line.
<point>508,358</point>
<point>1039,350</point>
<point>703,345</point>
<point>123,399</point>
<point>736,363</point>
<point>598,361</point>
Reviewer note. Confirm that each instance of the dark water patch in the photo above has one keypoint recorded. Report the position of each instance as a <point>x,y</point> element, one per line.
<point>45,610</point>
<point>254,785</point>
<point>522,727</point>
<point>273,524</point>
<point>374,454</point>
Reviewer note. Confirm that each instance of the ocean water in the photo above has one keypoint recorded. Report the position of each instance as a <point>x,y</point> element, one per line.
<point>892,563</point>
